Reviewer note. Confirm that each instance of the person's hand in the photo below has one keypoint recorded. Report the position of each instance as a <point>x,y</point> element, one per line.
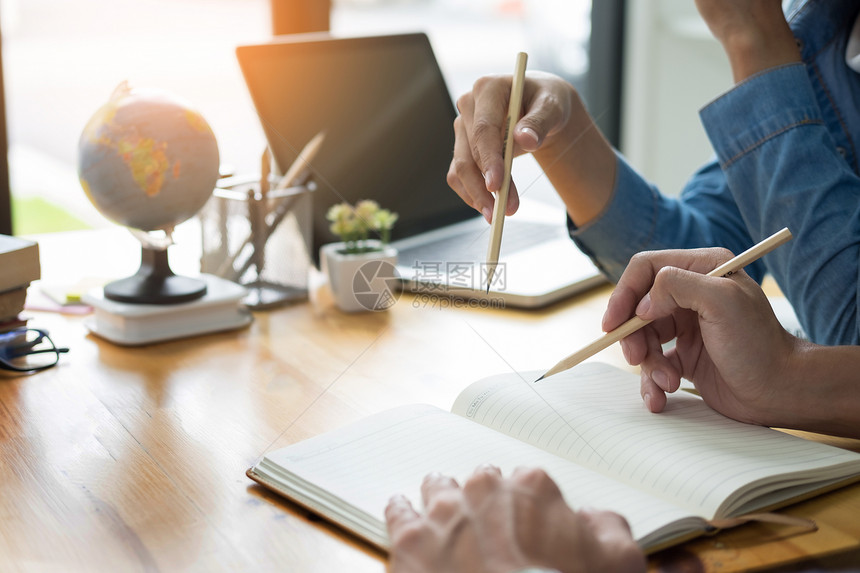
<point>753,33</point>
<point>477,167</point>
<point>728,341</point>
<point>499,525</point>
<point>554,126</point>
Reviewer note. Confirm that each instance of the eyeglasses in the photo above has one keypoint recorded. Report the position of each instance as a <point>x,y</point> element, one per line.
<point>28,350</point>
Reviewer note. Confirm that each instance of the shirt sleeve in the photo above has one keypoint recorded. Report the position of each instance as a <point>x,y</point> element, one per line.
<point>638,218</point>
<point>784,169</point>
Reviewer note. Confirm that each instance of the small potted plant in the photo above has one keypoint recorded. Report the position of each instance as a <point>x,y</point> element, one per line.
<point>344,262</point>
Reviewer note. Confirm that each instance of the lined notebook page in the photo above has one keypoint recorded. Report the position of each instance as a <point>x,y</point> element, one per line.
<point>368,462</point>
<point>689,453</point>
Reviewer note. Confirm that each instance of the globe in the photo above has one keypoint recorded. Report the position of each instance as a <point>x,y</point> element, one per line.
<point>147,160</point>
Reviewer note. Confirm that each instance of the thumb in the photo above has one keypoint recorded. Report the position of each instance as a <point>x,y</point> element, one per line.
<point>542,117</point>
<point>527,137</point>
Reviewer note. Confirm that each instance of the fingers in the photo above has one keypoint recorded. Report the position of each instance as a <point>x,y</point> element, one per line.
<point>465,178</point>
<point>658,374</point>
<point>543,112</point>
<point>642,270</point>
<point>633,295</point>
<point>657,366</point>
<point>613,533</point>
<point>484,483</point>
<point>537,482</point>
<point>503,524</point>
<point>513,200</point>
<point>608,524</point>
<point>674,292</point>
<point>399,513</point>
<point>622,301</point>
<point>486,114</point>
<point>435,484</point>
<point>486,118</point>
<point>526,137</point>
<point>676,288</point>
<point>477,168</point>
<point>442,498</point>
<point>652,395</point>
<point>438,490</point>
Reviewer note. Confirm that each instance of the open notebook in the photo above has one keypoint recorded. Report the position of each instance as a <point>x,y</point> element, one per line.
<point>669,474</point>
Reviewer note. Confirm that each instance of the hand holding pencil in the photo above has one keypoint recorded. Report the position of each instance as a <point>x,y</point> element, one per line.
<point>644,277</point>
<point>727,340</point>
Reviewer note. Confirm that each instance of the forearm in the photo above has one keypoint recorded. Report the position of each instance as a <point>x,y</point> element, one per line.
<point>580,163</point>
<point>754,35</point>
<point>754,53</point>
<point>823,393</point>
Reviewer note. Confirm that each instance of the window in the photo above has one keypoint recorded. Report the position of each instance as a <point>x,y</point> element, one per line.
<point>63,59</point>
<point>482,36</point>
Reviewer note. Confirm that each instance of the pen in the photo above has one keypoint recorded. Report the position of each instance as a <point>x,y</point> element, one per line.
<point>732,266</point>
<point>498,222</point>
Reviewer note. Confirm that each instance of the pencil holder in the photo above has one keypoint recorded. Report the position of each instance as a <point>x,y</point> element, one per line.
<point>259,241</point>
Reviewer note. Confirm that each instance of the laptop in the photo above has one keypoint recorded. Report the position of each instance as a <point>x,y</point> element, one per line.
<point>387,116</point>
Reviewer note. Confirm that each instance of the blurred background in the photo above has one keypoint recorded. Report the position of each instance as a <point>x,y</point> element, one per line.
<point>644,67</point>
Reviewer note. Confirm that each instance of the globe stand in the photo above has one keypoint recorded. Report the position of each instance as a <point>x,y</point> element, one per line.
<point>155,283</point>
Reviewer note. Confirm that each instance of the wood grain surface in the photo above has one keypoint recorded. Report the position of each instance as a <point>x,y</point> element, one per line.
<point>134,459</point>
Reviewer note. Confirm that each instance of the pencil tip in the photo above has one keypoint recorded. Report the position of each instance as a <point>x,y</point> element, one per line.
<point>488,289</point>
<point>539,379</point>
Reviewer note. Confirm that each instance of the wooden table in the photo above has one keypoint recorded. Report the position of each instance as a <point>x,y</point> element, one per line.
<point>133,459</point>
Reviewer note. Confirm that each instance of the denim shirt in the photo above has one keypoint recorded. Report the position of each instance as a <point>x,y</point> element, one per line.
<point>786,143</point>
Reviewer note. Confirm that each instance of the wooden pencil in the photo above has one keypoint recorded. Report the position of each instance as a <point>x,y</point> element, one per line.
<point>498,221</point>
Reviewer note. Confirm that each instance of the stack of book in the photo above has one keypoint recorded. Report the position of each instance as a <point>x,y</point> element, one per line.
<point>19,266</point>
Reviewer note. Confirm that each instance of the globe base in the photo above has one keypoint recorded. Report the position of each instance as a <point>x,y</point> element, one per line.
<point>155,283</point>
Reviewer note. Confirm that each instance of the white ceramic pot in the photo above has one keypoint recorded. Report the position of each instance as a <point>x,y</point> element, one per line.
<point>348,276</point>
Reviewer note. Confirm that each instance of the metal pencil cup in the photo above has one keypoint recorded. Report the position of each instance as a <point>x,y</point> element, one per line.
<point>261,242</point>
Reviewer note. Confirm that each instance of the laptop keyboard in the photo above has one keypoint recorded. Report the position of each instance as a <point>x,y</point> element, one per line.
<point>471,246</point>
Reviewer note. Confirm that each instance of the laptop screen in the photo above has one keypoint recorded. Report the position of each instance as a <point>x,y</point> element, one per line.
<point>387,116</point>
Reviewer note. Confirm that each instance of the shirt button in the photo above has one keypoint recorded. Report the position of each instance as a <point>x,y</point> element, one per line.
<point>841,151</point>
<point>799,43</point>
